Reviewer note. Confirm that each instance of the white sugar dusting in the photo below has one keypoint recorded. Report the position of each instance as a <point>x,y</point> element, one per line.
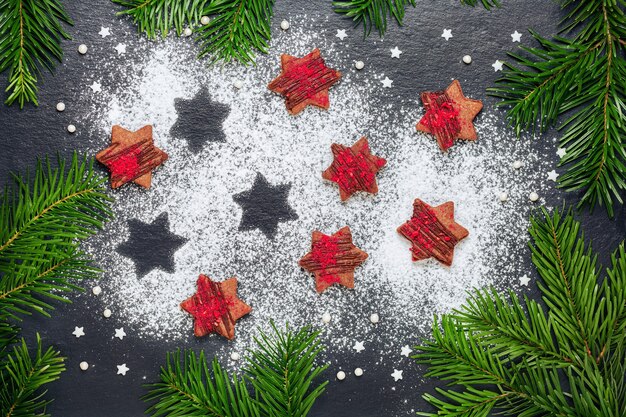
<point>196,191</point>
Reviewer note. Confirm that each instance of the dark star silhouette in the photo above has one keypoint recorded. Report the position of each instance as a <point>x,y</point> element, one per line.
<point>264,206</point>
<point>200,120</point>
<point>151,245</point>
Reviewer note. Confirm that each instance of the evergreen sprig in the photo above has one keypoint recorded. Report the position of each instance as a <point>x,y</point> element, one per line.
<point>376,13</point>
<point>501,354</point>
<point>579,78</point>
<point>280,371</point>
<point>30,38</point>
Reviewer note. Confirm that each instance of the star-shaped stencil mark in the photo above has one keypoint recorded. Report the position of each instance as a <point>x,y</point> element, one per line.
<point>215,307</point>
<point>200,120</point>
<point>433,232</point>
<point>354,168</point>
<point>131,157</point>
<point>304,81</point>
<point>449,115</point>
<point>151,245</point>
<point>264,206</point>
<point>333,259</point>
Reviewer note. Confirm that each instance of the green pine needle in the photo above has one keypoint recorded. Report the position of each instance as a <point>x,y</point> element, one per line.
<point>30,38</point>
<point>582,79</point>
<point>500,354</point>
<point>160,16</point>
<point>23,374</point>
<point>281,371</point>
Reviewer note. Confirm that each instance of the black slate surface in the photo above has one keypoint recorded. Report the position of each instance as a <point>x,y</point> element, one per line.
<point>35,132</point>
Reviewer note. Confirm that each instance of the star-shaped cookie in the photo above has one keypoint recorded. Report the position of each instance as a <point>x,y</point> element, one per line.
<point>449,115</point>
<point>131,156</point>
<point>433,232</point>
<point>215,307</point>
<point>333,259</point>
<point>304,81</point>
<point>354,168</point>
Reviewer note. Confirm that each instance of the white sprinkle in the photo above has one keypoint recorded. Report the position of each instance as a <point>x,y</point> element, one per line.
<point>553,176</point>
<point>238,84</point>
<point>60,106</point>
<point>467,59</point>
<point>235,356</point>
<point>447,34</point>
<point>516,36</point>
<point>406,351</point>
<point>326,318</point>
<point>524,280</point>
<point>120,333</point>
<point>358,372</point>
<point>96,290</point>
<point>561,152</point>
<point>498,65</point>
<point>82,49</point>
<point>396,375</point>
<point>374,318</point>
<point>341,34</point>
<point>504,197</point>
<point>78,331</point>
<point>517,164</point>
<point>284,25</point>
<point>84,366</point>
<point>387,82</point>
<point>71,128</point>
<point>106,313</point>
<point>204,20</point>
<point>358,346</point>
<point>395,52</point>
<point>341,375</point>
<point>359,65</point>
<point>187,32</point>
<point>533,196</point>
<point>120,48</point>
<point>122,369</point>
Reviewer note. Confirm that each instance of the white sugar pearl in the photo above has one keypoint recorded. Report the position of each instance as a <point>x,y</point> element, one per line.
<point>96,290</point>
<point>341,375</point>
<point>358,372</point>
<point>60,106</point>
<point>359,65</point>
<point>533,196</point>
<point>205,20</point>
<point>187,32</point>
<point>71,128</point>
<point>374,318</point>
<point>84,365</point>
<point>517,164</point>
<point>284,25</point>
<point>504,197</point>
<point>326,318</point>
<point>238,84</point>
<point>467,59</point>
<point>106,313</point>
<point>82,49</point>
<point>235,356</point>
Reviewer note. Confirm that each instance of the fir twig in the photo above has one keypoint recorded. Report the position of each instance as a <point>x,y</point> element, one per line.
<point>30,38</point>
<point>582,75</point>
<point>502,355</point>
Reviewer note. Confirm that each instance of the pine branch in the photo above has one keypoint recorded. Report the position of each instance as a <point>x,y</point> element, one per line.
<point>500,355</point>
<point>154,16</point>
<point>30,38</point>
<point>487,4</point>
<point>582,74</point>
<point>40,227</point>
<point>237,29</point>
<point>22,376</point>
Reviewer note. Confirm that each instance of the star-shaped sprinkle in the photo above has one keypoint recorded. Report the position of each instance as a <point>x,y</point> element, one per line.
<point>406,351</point>
<point>395,52</point>
<point>498,65</point>
<point>516,36</point>
<point>333,259</point>
<point>354,168</point>
<point>131,157</point>
<point>96,87</point>
<point>341,34</point>
<point>433,232</point>
<point>151,245</point>
<point>304,81</point>
<point>78,331</point>
<point>264,206</point>
<point>524,280</point>
<point>215,307</point>
<point>120,333</point>
<point>553,175</point>
<point>122,369</point>
<point>561,152</point>
<point>449,115</point>
<point>397,375</point>
<point>120,48</point>
<point>386,82</point>
<point>104,32</point>
<point>447,34</point>
<point>358,346</point>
